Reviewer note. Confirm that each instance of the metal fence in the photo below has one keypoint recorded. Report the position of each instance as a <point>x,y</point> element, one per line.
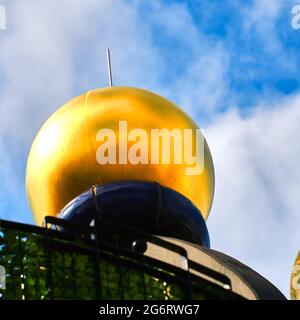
<point>64,260</point>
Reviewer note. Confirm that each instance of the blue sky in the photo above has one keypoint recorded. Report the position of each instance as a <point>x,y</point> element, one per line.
<point>232,65</point>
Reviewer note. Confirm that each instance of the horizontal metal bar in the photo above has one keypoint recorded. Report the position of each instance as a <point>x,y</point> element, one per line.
<point>210,273</point>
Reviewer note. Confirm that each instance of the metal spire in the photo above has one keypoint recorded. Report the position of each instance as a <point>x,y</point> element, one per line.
<point>109,68</point>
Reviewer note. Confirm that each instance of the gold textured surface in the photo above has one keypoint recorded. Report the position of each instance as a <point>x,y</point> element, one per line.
<point>295,279</point>
<point>62,162</point>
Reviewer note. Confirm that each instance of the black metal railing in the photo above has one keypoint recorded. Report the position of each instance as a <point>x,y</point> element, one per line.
<point>64,260</point>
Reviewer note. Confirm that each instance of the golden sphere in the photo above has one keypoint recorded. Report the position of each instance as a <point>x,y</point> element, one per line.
<point>63,158</point>
<point>295,280</point>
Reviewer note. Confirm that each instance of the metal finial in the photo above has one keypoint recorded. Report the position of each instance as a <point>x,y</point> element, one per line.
<point>109,68</point>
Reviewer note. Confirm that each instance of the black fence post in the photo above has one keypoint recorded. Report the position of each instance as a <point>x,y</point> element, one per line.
<point>97,259</point>
<point>49,279</point>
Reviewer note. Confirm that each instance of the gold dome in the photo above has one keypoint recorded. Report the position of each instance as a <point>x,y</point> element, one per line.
<point>63,158</point>
<point>295,279</point>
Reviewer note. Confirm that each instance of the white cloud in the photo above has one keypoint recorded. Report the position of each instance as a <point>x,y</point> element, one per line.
<point>204,86</point>
<point>255,215</point>
<point>261,22</point>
